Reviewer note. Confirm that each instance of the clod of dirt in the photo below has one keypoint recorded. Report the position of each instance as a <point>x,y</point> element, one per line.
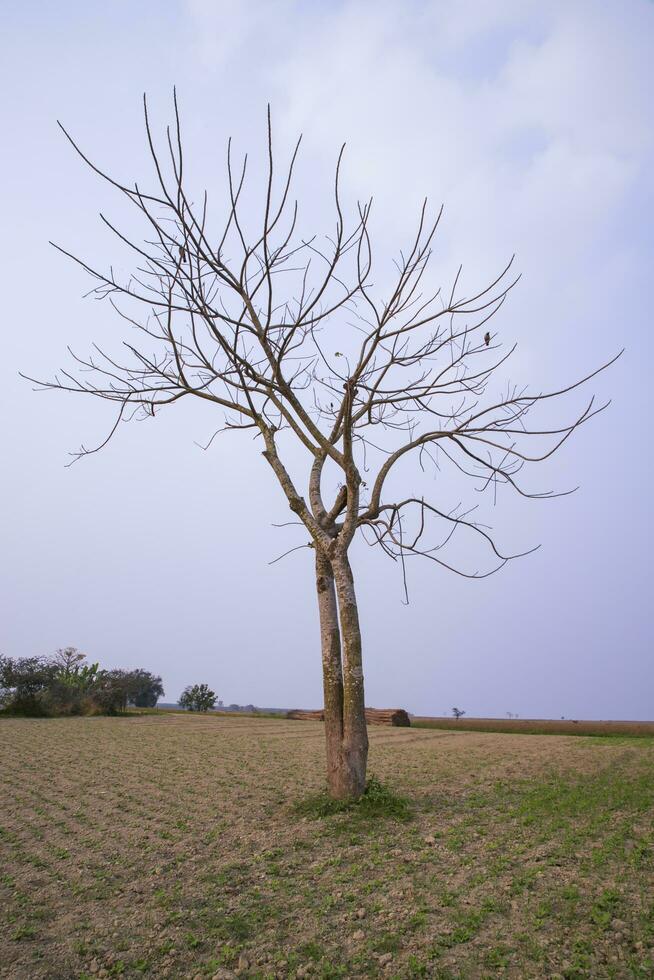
<point>243,963</point>
<point>360,913</point>
<point>359,935</point>
<point>385,959</point>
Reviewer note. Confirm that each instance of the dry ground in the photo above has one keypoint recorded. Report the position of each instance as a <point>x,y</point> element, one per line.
<point>539,726</point>
<point>167,846</point>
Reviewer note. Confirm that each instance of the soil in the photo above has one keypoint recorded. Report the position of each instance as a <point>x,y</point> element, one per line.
<point>169,846</point>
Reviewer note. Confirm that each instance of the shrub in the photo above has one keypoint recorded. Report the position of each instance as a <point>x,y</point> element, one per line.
<point>66,685</point>
<point>23,682</point>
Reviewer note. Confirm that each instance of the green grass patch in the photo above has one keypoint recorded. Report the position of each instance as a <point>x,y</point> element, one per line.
<point>378,801</point>
<point>595,797</point>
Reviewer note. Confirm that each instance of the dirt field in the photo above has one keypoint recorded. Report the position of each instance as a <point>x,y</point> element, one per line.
<point>539,726</point>
<point>167,846</point>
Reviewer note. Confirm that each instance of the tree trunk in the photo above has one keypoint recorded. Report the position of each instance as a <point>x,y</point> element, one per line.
<point>345,720</point>
<point>332,672</point>
<point>355,732</point>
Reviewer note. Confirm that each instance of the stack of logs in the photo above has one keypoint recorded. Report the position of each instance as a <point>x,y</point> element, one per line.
<point>397,717</point>
<point>297,715</point>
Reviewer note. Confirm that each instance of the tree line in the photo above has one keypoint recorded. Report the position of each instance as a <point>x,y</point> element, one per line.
<point>67,684</point>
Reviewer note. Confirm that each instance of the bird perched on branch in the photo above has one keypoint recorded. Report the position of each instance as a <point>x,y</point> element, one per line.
<point>487,338</point>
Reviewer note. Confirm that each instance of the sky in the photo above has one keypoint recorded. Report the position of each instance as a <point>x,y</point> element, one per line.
<point>532,124</point>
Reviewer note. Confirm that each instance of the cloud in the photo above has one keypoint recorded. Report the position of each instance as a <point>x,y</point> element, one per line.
<point>527,120</point>
<point>514,114</point>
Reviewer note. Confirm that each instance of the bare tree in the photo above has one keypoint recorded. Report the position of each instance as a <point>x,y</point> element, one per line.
<point>69,660</point>
<point>290,338</point>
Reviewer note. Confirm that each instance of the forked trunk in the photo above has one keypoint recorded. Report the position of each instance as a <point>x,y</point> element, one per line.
<point>332,671</point>
<point>345,720</point>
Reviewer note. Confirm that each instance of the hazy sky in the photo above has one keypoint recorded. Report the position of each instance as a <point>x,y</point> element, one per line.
<point>532,122</point>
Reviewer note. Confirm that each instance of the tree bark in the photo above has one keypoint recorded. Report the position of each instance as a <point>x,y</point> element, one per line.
<point>354,750</point>
<point>332,671</point>
<point>345,720</point>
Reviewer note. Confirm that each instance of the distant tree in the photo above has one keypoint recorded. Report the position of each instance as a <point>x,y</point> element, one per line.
<point>197,698</point>
<point>136,687</point>
<point>116,689</point>
<point>61,684</point>
<point>68,660</point>
<point>65,684</point>
<point>145,689</point>
<point>457,712</point>
<point>111,690</point>
<point>23,682</point>
<point>73,684</point>
<point>70,671</point>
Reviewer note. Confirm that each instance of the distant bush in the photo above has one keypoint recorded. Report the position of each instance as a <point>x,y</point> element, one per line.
<point>139,688</point>
<point>24,682</point>
<point>145,689</point>
<point>197,698</point>
<point>65,684</point>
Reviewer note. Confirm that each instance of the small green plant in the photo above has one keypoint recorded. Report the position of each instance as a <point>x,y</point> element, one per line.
<point>604,909</point>
<point>497,956</point>
<point>415,967</point>
<point>311,951</point>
